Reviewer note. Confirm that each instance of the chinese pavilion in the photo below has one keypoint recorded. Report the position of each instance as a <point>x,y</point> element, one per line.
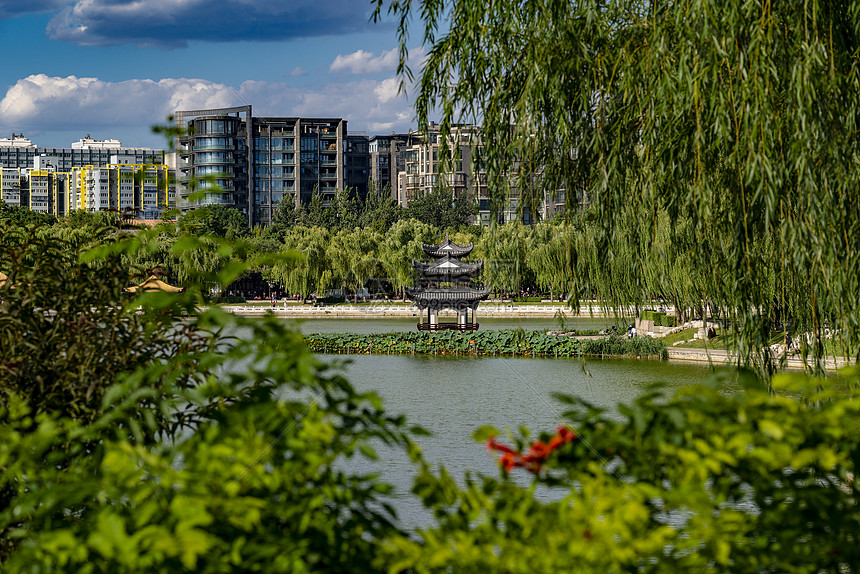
<point>447,283</point>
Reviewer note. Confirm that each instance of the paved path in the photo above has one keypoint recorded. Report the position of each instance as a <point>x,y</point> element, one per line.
<point>722,357</point>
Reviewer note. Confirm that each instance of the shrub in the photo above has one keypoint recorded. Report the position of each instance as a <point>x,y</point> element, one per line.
<point>94,383</point>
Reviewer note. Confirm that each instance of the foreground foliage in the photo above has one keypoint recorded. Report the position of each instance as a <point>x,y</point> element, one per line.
<point>138,435</point>
<point>701,481</point>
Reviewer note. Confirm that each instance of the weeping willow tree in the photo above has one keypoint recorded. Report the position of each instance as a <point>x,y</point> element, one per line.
<point>504,251</point>
<point>400,246</point>
<point>739,120</point>
<point>308,269</point>
<point>550,257</point>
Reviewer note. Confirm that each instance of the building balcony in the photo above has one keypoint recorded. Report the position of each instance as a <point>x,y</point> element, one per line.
<point>216,147</point>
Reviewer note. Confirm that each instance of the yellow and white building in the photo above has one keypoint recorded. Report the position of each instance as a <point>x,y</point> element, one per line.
<point>143,191</point>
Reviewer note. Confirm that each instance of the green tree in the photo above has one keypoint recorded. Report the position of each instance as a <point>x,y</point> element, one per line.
<point>379,210</point>
<point>353,256</point>
<point>442,208</point>
<point>739,117</point>
<point>56,331</point>
<point>504,248</point>
<point>550,256</point>
<point>310,270</point>
<point>285,217</point>
<point>216,220</point>
<point>400,246</point>
<point>20,215</point>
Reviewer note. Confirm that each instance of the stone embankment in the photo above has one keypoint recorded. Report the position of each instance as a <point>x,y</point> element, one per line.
<point>395,310</point>
<point>722,357</point>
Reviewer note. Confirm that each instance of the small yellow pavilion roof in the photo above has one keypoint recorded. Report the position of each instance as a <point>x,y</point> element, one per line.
<point>154,284</point>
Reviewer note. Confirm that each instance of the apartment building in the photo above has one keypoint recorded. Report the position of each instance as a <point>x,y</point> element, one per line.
<point>228,157</point>
<point>356,163</point>
<point>11,180</point>
<point>417,171</point>
<point>20,152</point>
<point>142,191</point>
<point>421,172</point>
<point>387,158</point>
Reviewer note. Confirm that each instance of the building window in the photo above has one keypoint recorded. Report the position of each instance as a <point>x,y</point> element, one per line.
<point>309,144</point>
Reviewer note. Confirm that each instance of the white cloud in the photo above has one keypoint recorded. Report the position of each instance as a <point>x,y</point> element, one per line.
<point>361,62</point>
<point>41,103</point>
<point>362,103</point>
<point>387,89</point>
<point>298,71</point>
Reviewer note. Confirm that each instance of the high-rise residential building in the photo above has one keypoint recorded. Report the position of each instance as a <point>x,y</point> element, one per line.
<point>356,162</point>
<point>16,141</point>
<point>19,152</point>
<point>10,186</point>
<point>142,191</point>
<point>89,142</point>
<point>387,158</point>
<point>421,173</point>
<point>228,157</point>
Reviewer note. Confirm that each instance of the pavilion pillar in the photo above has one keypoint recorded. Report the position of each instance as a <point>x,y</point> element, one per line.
<point>463,316</point>
<point>434,320</point>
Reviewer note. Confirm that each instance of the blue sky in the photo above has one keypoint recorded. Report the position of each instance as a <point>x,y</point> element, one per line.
<point>114,68</point>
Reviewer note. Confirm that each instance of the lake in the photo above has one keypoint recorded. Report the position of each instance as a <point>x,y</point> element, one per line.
<point>453,396</point>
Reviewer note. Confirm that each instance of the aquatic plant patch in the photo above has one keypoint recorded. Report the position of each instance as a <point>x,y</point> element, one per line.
<point>511,343</point>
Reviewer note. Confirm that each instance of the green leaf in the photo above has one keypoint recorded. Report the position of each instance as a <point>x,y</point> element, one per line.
<point>484,433</point>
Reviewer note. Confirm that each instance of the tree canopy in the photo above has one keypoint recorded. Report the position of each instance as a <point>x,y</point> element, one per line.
<point>739,120</point>
<point>442,208</point>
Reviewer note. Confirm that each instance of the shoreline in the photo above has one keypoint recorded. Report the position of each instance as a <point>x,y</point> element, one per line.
<point>723,357</point>
<point>491,310</point>
<point>389,310</point>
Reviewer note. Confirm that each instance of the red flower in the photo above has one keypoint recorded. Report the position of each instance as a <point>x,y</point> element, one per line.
<point>537,454</point>
<point>555,442</point>
<point>566,434</point>
<point>493,445</point>
<point>509,460</point>
<point>539,451</point>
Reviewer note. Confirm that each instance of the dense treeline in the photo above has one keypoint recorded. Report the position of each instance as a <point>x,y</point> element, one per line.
<point>308,252</point>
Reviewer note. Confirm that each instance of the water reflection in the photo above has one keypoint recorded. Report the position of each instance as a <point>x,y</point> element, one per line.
<point>452,396</point>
